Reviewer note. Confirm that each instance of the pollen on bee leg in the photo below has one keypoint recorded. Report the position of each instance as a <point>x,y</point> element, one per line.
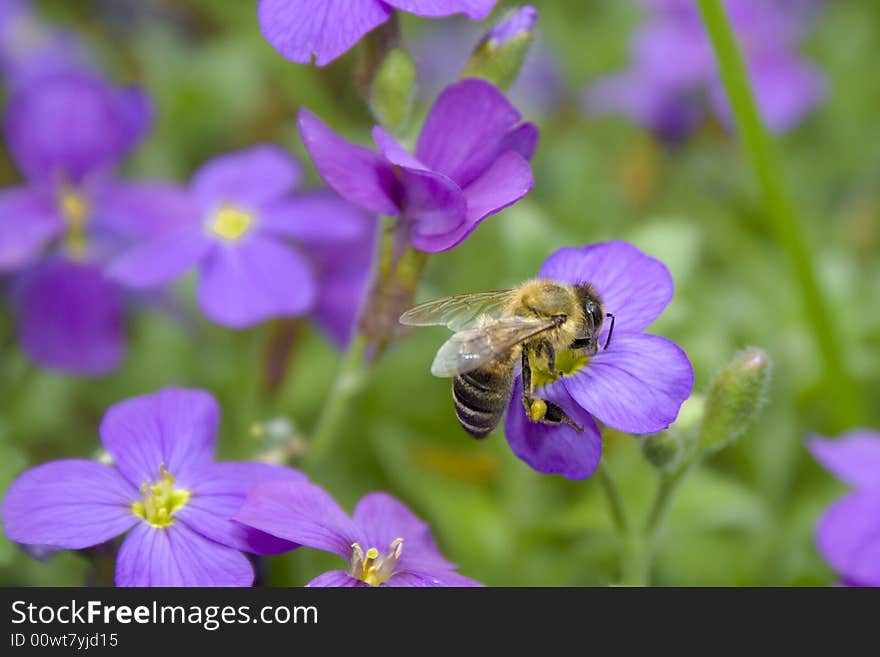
<point>537,410</point>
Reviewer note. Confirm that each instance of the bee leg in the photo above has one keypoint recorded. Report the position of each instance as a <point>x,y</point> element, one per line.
<point>545,346</point>
<point>555,415</point>
<point>541,410</point>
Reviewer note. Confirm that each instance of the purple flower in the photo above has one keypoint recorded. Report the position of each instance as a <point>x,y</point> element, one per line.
<point>848,535</point>
<point>673,76</point>
<point>66,131</point>
<point>240,218</point>
<point>164,489</point>
<point>636,385</point>
<point>384,543</point>
<point>327,29</point>
<point>471,161</point>
<point>29,48</point>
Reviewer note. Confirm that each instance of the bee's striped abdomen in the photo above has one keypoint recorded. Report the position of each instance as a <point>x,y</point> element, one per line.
<point>480,398</point>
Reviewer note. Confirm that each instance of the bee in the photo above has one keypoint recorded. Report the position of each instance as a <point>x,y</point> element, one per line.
<point>493,330</point>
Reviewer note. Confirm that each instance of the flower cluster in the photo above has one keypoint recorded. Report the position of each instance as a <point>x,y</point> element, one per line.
<point>636,385</point>
<point>673,72</point>
<point>177,506</point>
<point>848,535</point>
<point>67,131</point>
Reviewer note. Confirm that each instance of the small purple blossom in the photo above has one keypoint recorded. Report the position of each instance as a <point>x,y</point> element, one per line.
<point>236,233</point>
<point>163,488</point>
<point>470,162</point>
<point>66,131</point>
<point>517,23</point>
<point>328,29</point>
<point>673,77</point>
<point>383,542</point>
<point>636,385</point>
<point>848,535</point>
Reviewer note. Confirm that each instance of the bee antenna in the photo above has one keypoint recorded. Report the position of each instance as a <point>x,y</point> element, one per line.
<point>610,331</point>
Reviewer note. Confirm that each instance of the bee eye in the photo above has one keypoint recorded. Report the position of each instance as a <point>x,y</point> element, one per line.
<point>595,314</point>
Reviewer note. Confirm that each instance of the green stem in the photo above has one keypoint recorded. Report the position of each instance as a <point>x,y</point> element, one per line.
<point>841,389</point>
<point>615,502</point>
<point>349,381</point>
<point>638,553</point>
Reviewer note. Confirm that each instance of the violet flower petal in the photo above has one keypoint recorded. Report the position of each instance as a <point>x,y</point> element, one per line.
<point>356,173</point>
<point>554,449</point>
<point>218,492</point>
<point>71,504</point>
<point>161,260</point>
<point>259,278</point>
<point>441,578</point>
<point>314,218</point>
<point>632,285</point>
<point>326,28</point>
<point>637,385</point>
<point>848,537</point>
<point>523,139</point>
<point>343,272</point>
<point>506,181</point>
<point>142,210</point>
<point>336,578</point>
<point>853,458</point>
<point>247,178</point>
<point>474,9</point>
<point>175,428</point>
<point>464,128</point>
<point>70,318</point>
<point>178,556</point>
<point>302,513</point>
<point>384,519</point>
<point>67,125</point>
<point>29,220</point>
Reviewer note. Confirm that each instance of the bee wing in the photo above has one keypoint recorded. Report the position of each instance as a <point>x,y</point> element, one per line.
<point>475,347</point>
<point>460,312</point>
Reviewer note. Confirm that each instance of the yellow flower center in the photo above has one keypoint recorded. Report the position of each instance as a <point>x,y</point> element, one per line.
<point>568,362</point>
<point>230,222</point>
<point>374,568</point>
<point>75,210</point>
<point>161,500</point>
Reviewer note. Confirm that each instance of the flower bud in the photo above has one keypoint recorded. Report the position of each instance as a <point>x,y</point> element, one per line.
<point>274,431</point>
<point>500,54</point>
<point>661,449</point>
<point>735,397</point>
<point>393,89</point>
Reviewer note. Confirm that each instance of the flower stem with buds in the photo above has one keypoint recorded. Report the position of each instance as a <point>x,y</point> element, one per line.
<point>841,390</point>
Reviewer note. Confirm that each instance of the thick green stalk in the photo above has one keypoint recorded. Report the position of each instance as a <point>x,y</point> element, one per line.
<point>841,389</point>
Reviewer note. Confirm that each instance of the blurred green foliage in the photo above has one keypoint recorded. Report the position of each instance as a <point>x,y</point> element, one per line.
<point>746,517</point>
